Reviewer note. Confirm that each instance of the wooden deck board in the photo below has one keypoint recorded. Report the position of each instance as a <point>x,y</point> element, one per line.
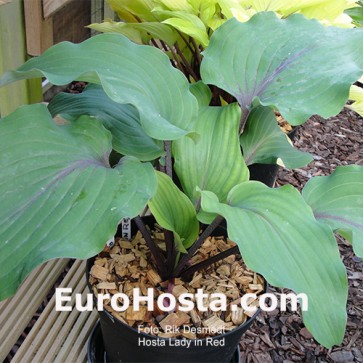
<point>60,336</point>
<point>16,312</point>
<point>78,338</point>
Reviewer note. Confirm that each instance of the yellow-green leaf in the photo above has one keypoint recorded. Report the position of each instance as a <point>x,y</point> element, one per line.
<point>356,95</point>
<point>140,33</point>
<point>187,23</point>
<point>174,211</point>
<point>130,10</point>
<point>213,162</point>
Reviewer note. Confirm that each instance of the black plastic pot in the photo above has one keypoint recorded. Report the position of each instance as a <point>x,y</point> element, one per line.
<point>123,343</point>
<point>96,352</point>
<point>267,173</point>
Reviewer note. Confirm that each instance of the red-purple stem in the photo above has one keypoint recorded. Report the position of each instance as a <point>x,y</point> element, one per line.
<point>154,249</point>
<point>186,274</point>
<point>206,233</point>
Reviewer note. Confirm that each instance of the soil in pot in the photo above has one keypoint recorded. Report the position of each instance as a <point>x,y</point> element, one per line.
<point>126,267</point>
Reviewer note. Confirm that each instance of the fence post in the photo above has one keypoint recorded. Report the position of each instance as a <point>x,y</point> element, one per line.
<point>12,55</point>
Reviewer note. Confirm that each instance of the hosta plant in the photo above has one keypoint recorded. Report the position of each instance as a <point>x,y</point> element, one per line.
<point>183,30</point>
<point>61,196</point>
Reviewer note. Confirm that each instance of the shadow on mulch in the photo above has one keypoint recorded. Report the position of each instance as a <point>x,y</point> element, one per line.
<point>281,336</point>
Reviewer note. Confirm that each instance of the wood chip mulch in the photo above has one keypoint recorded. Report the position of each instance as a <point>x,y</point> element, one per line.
<point>125,267</point>
<point>281,337</point>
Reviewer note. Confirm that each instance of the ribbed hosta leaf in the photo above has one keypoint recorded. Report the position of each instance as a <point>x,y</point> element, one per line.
<point>337,200</point>
<point>319,9</point>
<point>294,68</point>
<point>174,211</point>
<point>356,95</point>
<point>127,9</point>
<point>140,33</point>
<point>279,237</point>
<point>178,5</point>
<point>58,195</point>
<point>201,92</point>
<point>139,75</point>
<point>187,23</point>
<point>214,161</point>
<point>264,142</point>
<point>128,137</point>
<point>356,14</point>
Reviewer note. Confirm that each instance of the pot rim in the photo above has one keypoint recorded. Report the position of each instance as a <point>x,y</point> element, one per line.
<point>97,327</point>
<point>246,324</point>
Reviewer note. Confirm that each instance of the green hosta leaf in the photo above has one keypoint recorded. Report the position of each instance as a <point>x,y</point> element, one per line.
<point>356,95</point>
<point>227,6</point>
<point>215,22</point>
<point>187,23</point>
<point>295,68</point>
<point>130,32</point>
<point>140,33</point>
<point>279,237</point>
<point>356,14</point>
<point>214,162</point>
<point>131,10</point>
<point>337,200</point>
<point>176,5</point>
<point>58,195</point>
<point>319,9</point>
<point>325,10</point>
<point>263,141</point>
<point>207,11</point>
<point>129,73</point>
<point>174,211</point>
<point>201,92</point>
<point>128,137</point>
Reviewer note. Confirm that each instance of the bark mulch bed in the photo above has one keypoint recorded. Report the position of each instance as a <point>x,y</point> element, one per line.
<point>280,336</point>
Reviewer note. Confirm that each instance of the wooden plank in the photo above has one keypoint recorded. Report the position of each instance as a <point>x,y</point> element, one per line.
<point>79,350</point>
<point>19,310</point>
<point>12,55</point>
<point>75,347</point>
<point>64,328</point>
<point>48,317</point>
<point>100,10</point>
<point>97,11</point>
<point>60,336</point>
<point>51,335</point>
<point>52,6</point>
<point>39,31</point>
<point>70,22</point>
<point>3,305</point>
<point>108,13</point>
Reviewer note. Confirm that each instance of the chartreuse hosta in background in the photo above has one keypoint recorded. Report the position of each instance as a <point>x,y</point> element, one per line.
<point>60,197</point>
